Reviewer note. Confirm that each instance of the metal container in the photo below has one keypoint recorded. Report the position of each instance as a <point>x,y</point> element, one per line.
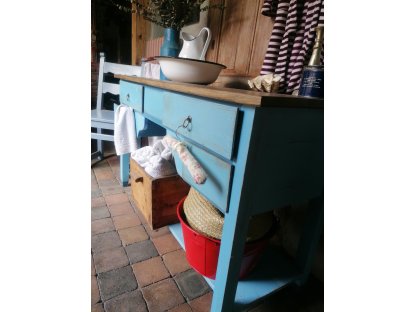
<point>312,83</point>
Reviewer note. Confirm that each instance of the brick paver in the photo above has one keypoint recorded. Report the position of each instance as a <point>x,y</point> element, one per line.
<point>116,282</point>
<point>162,296</point>
<point>131,301</point>
<point>95,294</point>
<point>93,179</point>
<point>113,161</point>
<point>99,213</point>
<point>126,221</point>
<point>116,199</point>
<point>157,232</point>
<point>110,182</point>
<point>132,235</point>
<point>117,271</point>
<point>95,193</point>
<point>101,165</point>
<point>97,308</point>
<point>176,262</point>
<point>165,244</point>
<point>191,284</point>
<point>120,209</point>
<point>150,271</point>
<point>93,267</point>
<point>102,226</point>
<point>103,174</point>
<point>104,241</point>
<point>202,304</point>
<point>141,251</point>
<point>181,308</point>
<point>110,259</point>
<point>98,202</point>
<point>110,190</point>
<point>95,187</point>
<point>137,211</point>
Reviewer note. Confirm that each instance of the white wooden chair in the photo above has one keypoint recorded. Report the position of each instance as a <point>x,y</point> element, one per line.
<point>102,118</point>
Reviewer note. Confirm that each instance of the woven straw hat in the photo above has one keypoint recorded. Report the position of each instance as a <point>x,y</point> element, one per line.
<point>206,219</point>
<point>202,216</point>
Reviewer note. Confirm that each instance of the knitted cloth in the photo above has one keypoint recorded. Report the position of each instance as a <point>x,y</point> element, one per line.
<point>193,166</point>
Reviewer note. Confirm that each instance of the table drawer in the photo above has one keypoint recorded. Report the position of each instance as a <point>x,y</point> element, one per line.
<point>131,94</point>
<point>219,174</point>
<point>212,125</point>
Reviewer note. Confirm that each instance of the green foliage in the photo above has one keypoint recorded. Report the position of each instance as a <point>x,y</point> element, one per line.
<point>166,13</point>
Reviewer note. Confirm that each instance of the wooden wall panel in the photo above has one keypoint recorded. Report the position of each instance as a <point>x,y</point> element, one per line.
<point>246,33</point>
<point>240,37</point>
<point>264,27</point>
<point>214,24</point>
<point>134,37</point>
<point>230,34</point>
<point>139,35</point>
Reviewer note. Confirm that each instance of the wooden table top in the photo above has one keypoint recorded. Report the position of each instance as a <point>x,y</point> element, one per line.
<point>244,97</point>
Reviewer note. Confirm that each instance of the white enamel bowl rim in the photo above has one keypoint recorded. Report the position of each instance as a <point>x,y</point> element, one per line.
<point>189,70</point>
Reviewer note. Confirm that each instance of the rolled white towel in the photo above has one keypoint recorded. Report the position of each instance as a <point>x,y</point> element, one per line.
<point>142,155</point>
<point>161,148</point>
<point>156,160</point>
<point>159,167</point>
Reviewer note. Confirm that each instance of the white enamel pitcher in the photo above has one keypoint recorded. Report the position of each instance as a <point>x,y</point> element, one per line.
<point>195,47</point>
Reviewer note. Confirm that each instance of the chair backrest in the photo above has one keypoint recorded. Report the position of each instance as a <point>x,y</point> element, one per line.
<point>116,69</point>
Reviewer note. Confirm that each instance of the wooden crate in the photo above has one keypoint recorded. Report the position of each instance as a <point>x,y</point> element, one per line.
<point>156,198</point>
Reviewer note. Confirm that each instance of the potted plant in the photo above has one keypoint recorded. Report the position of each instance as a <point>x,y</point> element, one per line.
<point>172,15</point>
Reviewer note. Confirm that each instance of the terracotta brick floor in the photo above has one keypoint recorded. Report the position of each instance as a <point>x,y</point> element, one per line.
<point>134,268</point>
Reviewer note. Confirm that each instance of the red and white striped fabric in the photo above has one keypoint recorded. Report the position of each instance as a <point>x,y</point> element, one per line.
<point>292,39</point>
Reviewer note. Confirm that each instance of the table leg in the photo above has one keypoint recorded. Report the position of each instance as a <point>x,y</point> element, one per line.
<point>235,222</point>
<point>312,231</point>
<point>229,261</point>
<point>124,169</point>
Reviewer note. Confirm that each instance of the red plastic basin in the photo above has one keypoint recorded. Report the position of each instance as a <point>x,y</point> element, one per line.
<point>202,251</point>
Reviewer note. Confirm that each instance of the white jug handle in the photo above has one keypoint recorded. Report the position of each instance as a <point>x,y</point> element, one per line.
<point>204,50</point>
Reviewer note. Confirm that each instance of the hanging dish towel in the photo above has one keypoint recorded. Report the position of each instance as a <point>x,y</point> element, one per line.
<point>125,140</point>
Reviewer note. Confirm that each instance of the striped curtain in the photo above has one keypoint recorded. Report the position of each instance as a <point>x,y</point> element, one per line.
<point>292,39</point>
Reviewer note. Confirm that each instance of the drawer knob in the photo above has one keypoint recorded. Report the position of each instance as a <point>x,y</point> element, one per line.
<point>128,97</point>
<point>187,124</point>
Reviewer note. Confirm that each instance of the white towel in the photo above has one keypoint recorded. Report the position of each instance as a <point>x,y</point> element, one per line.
<point>156,160</point>
<point>142,155</point>
<point>151,70</point>
<point>162,149</point>
<point>125,140</point>
<point>159,167</point>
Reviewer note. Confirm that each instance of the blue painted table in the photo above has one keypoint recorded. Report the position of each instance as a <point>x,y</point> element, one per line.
<point>260,152</point>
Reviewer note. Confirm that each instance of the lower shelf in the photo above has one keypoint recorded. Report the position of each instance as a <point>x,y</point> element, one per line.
<point>274,271</point>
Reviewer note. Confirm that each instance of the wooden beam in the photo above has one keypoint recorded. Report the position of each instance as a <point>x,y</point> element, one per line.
<point>133,36</point>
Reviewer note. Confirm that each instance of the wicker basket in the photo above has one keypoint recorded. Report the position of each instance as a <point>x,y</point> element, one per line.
<point>206,219</point>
